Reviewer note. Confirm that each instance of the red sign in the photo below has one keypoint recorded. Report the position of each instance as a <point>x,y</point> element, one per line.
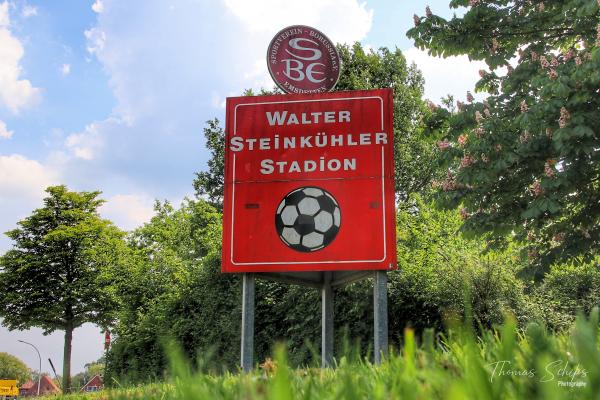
<point>303,60</point>
<point>309,183</point>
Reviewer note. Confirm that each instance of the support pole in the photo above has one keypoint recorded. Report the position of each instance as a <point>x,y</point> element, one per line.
<point>380,316</point>
<point>247,350</point>
<point>326,322</point>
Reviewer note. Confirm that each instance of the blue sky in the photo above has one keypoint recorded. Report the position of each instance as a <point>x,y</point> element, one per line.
<point>113,95</point>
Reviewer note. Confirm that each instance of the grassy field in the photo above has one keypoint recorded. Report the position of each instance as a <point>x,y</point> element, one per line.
<point>501,364</point>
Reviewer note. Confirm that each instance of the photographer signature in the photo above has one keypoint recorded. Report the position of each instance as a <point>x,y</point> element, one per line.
<point>559,369</point>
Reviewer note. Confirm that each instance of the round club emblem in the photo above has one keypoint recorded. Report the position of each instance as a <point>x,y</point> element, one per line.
<point>308,219</point>
<point>303,60</point>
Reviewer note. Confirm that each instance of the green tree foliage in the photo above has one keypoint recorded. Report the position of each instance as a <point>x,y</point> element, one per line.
<point>566,290</point>
<point>361,70</point>
<point>169,255</point>
<point>388,69</point>
<point>439,270</point>
<point>526,160</point>
<point>210,183</point>
<point>13,368</point>
<point>58,274</point>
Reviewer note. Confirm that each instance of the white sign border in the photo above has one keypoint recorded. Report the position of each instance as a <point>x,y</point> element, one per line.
<point>309,262</point>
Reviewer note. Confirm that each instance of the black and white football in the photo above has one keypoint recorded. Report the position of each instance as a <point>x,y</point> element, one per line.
<point>308,219</point>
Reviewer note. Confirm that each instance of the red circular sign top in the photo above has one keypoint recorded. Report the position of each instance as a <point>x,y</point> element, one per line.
<point>301,59</point>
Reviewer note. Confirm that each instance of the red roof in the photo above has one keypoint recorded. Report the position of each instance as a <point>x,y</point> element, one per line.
<point>47,385</point>
<point>28,385</point>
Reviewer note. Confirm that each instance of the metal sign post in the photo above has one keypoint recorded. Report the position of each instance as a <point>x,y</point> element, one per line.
<point>325,282</point>
<point>380,316</point>
<point>327,322</point>
<point>247,342</point>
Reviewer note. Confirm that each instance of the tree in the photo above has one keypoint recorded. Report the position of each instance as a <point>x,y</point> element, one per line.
<point>361,70</point>
<point>13,368</point>
<point>524,163</point>
<point>58,274</point>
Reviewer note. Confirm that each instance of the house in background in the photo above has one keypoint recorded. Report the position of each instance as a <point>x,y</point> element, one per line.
<point>47,386</point>
<point>95,384</point>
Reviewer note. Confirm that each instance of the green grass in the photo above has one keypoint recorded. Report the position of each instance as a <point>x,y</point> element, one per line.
<point>529,364</point>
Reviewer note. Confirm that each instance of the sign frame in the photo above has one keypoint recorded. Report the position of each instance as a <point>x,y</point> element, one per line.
<point>387,260</point>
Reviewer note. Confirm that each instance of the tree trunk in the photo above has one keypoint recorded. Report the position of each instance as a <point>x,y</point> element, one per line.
<point>66,378</point>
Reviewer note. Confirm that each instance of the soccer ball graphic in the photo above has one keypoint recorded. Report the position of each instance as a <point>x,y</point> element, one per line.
<point>308,219</point>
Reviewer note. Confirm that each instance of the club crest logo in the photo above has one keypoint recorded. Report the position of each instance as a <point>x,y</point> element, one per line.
<point>301,59</point>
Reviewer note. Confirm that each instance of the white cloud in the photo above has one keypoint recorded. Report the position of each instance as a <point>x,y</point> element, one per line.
<point>166,85</point>
<point>228,49</point>
<point>85,145</point>
<point>65,69</point>
<point>22,185</point>
<point>29,11</point>
<point>4,132</point>
<point>128,211</point>
<point>4,19</point>
<point>216,100</point>
<point>257,76</point>
<point>95,40</point>
<point>98,6</point>
<point>15,93</point>
<point>21,177</point>
<point>443,76</point>
<point>341,20</point>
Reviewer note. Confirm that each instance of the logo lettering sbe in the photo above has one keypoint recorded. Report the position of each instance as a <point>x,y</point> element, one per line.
<point>295,67</point>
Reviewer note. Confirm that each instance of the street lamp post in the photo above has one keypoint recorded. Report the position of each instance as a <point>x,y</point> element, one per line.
<point>40,369</point>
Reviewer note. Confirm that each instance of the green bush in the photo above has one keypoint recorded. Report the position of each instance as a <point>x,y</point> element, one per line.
<point>439,269</point>
<point>566,290</point>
